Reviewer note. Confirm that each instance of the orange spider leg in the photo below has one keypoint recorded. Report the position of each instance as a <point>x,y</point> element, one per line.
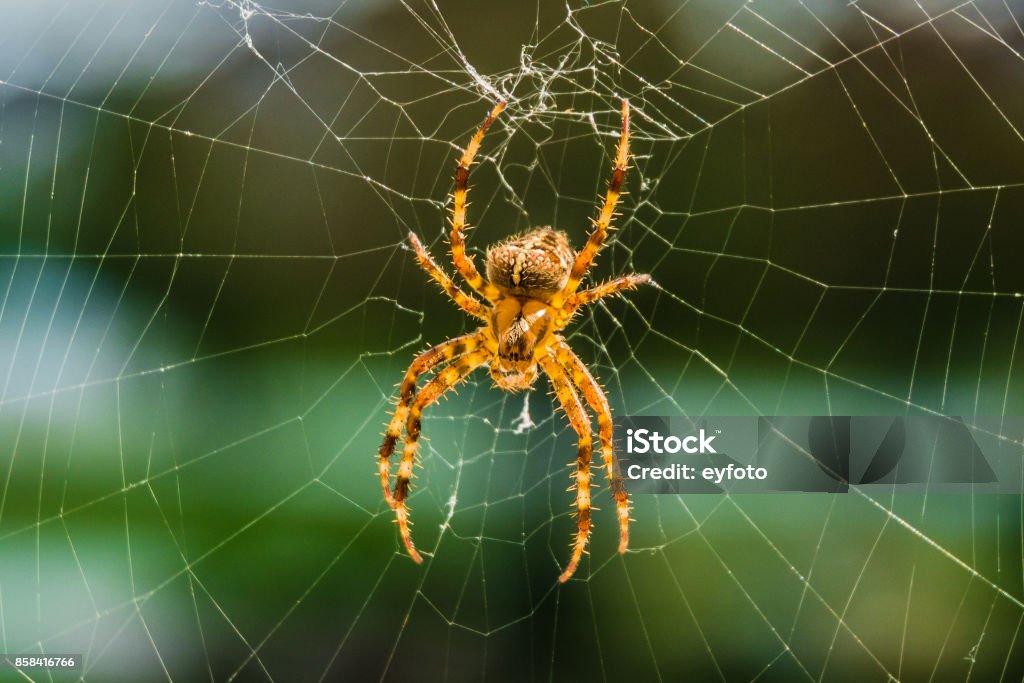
<point>598,402</point>
<point>601,226</point>
<point>589,296</point>
<point>464,301</point>
<point>444,380</point>
<point>443,352</point>
<point>464,263</point>
<point>580,422</point>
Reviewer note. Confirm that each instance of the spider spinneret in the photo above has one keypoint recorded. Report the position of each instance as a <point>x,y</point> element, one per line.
<point>532,287</point>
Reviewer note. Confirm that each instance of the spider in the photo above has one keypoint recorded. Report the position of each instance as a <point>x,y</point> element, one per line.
<point>532,286</point>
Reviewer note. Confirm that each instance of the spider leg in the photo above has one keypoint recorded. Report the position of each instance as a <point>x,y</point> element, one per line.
<point>580,422</point>
<point>463,263</point>
<point>598,402</point>
<point>601,226</point>
<point>444,380</point>
<point>589,296</point>
<point>464,301</point>
<point>443,352</point>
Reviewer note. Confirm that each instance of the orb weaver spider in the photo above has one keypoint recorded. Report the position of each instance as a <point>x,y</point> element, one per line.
<point>532,288</point>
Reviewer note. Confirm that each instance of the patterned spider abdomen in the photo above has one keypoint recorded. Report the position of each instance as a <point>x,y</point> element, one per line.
<point>535,264</point>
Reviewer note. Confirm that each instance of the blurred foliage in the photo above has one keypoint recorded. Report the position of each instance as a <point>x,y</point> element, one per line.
<point>206,303</point>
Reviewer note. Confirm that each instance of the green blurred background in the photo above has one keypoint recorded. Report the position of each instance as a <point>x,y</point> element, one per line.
<point>205,303</point>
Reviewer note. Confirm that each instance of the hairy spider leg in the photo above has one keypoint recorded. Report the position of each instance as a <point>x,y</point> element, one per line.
<point>464,301</point>
<point>580,421</point>
<point>442,353</point>
<point>589,296</point>
<point>598,402</point>
<point>444,380</point>
<point>463,263</point>
<point>585,258</point>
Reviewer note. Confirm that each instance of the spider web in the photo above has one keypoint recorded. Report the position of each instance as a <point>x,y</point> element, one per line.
<point>205,302</point>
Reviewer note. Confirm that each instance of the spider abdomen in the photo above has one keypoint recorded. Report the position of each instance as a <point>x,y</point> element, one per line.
<point>535,264</point>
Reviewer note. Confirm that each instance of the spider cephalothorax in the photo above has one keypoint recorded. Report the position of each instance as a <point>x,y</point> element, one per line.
<point>531,286</point>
